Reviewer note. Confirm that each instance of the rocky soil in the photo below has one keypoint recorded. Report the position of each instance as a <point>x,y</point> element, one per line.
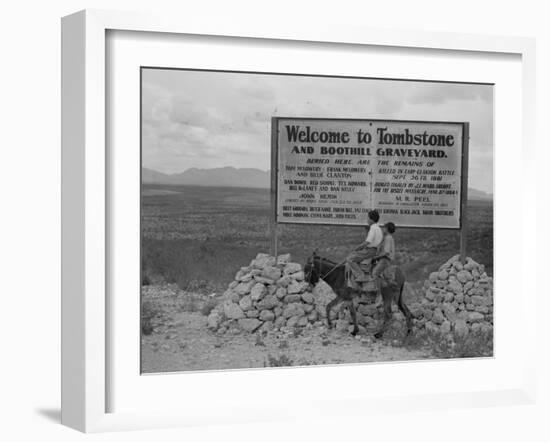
<point>178,339</point>
<point>269,317</point>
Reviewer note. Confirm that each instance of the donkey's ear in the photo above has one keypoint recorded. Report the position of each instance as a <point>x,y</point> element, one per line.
<point>315,252</point>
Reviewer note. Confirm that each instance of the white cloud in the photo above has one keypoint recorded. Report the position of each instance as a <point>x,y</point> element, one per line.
<point>213,119</point>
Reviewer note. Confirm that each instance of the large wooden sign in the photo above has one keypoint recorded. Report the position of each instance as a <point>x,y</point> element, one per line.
<point>333,171</point>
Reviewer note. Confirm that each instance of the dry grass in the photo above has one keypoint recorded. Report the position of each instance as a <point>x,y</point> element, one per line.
<point>198,237</point>
<point>195,266</point>
<point>473,345</point>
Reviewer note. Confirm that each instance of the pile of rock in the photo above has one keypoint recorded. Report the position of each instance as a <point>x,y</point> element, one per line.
<point>457,298</point>
<point>269,293</point>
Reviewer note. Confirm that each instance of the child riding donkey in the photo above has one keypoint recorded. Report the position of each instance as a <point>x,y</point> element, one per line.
<point>386,253</point>
<point>365,251</point>
<point>386,278</point>
<point>378,250</point>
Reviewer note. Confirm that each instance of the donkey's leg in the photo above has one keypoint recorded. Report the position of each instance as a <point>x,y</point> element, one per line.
<point>387,298</point>
<point>353,317</point>
<point>331,304</point>
<point>405,310</point>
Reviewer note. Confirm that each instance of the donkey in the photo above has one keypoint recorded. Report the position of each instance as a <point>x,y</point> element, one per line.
<point>334,274</point>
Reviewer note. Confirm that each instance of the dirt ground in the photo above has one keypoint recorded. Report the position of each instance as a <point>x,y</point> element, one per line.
<point>181,341</point>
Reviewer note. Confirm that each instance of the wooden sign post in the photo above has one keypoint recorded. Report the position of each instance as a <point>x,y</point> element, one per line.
<point>273,226</point>
<point>464,193</point>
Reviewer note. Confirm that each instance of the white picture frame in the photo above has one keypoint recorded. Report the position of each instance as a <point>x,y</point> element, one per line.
<point>86,204</point>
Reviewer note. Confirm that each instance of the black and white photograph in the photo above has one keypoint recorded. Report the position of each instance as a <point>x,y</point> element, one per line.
<point>298,220</point>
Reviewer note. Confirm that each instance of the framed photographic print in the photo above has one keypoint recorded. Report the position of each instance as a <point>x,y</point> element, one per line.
<point>257,212</point>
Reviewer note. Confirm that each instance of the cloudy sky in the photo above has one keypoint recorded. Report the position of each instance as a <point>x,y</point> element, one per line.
<point>216,119</point>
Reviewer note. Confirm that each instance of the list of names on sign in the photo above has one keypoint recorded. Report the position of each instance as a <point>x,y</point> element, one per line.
<point>334,171</point>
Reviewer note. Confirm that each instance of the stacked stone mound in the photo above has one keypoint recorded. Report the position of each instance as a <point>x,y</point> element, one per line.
<point>269,293</point>
<point>457,298</point>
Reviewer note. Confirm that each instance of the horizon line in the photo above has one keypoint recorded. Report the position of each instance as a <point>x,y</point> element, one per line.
<point>245,168</point>
<point>210,168</point>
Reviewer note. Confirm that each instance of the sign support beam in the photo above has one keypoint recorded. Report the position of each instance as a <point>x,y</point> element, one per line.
<point>464,193</point>
<point>273,227</point>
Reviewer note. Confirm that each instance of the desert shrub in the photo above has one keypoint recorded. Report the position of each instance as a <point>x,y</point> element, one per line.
<point>474,344</point>
<point>189,303</point>
<point>145,279</point>
<point>282,360</point>
<point>199,286</point>
<point>283,344</point>
<point>148,312</point>
<point>146,327</point>
<point>208,306</point>
<point>306,362</point>
<point>297,331</point>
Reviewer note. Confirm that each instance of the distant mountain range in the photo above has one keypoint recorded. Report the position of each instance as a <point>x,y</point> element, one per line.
<point>220,177</point>
<point>474,194</point>
<point>233,177</point>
